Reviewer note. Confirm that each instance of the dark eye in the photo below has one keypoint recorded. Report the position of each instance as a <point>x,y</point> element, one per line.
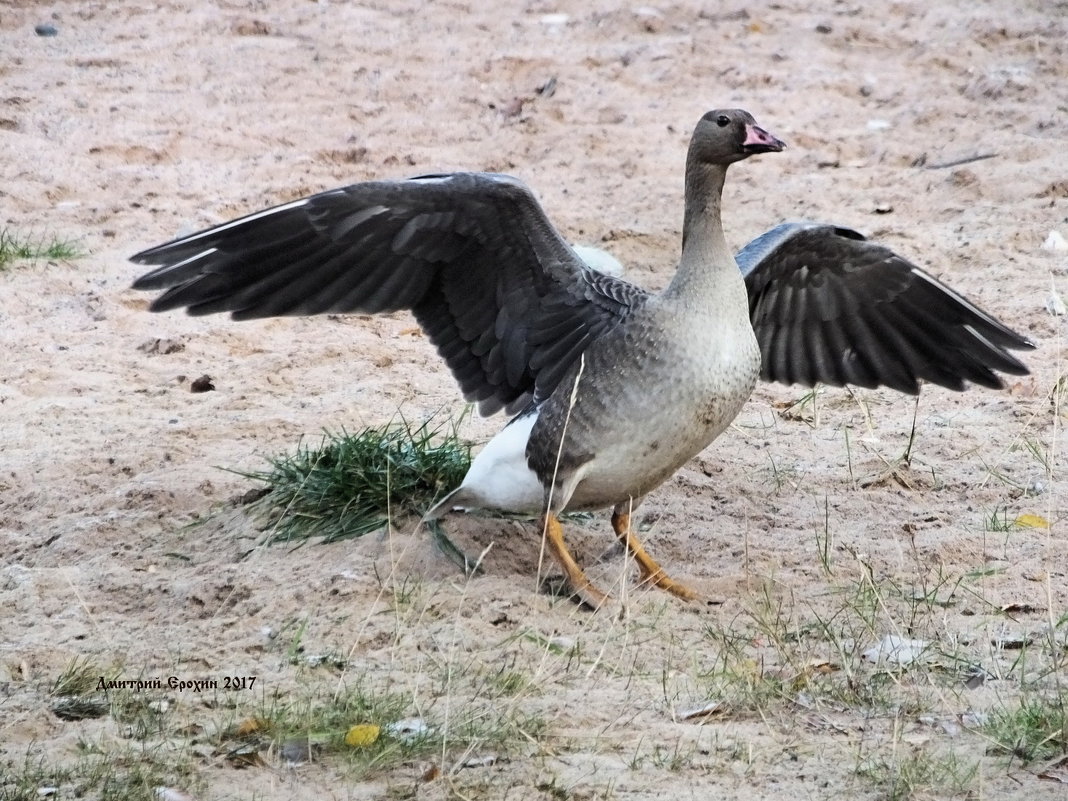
<point>723,120</point>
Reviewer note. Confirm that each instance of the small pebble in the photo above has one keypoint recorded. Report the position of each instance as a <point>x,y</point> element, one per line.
<point>408,729</point>
<point>896,650</point>
<point>202,384</point>
<point>46,29</point>
<point>481,762</point>
<point>295,751</point>
<point>172,794</point>
<point>1055,242</point>
<point>554,19</point>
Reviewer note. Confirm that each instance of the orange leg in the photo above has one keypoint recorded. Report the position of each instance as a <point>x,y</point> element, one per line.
<point>652,572</point>
<point>580,583</point>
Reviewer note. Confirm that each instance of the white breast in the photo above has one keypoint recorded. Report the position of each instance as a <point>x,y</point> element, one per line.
<point>499,477</point>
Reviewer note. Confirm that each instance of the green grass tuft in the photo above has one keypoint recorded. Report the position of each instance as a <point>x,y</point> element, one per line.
<point>14,247</point>
<point>1037,729</point>
<point>23,781</point>
<point>351,484</point>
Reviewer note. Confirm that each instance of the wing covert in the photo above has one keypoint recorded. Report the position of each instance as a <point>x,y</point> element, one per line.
<point>830,306</point>
<point>498,291</point>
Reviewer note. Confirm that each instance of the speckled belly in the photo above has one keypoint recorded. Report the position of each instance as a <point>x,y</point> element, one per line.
<point>668,409</point>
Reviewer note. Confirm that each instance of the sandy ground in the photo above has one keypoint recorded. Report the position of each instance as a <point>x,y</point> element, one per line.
<point>140,120</point>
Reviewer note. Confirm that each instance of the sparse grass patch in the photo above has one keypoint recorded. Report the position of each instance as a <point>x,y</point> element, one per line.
<point>1036,729</point>
<point>146,739</point>
<point>507,683</point>
<point>139,746</point>
<point>827,660</point>
<point>109,773</point>
<point>674,758</point>
<point>351,484</point>
<point>913,773</point>
<point>14,246</point>
<point>999,520</point>
<point>23,781</point>
<point>105,770</point>
<point>394,729</point>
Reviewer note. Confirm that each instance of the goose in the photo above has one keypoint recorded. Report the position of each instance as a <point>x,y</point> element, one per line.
<point>611,388</point>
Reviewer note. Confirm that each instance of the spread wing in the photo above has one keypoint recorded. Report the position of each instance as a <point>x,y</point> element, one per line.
<point>502,296</point>
<point>829,306</point>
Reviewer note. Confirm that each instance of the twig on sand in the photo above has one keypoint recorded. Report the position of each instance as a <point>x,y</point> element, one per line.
<point>957,162</point>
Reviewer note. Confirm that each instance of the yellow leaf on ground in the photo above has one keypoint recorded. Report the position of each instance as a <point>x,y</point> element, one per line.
<point>1032,521</point>
<point>362,735</point>
<point>250,726</point>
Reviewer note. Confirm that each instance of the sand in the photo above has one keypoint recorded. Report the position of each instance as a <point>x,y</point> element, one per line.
<point>142,120</point>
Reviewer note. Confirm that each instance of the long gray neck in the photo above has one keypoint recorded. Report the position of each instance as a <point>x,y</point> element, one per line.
<point>707,263</point>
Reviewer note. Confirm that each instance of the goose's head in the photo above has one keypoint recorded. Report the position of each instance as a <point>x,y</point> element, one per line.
<point>724,136</point>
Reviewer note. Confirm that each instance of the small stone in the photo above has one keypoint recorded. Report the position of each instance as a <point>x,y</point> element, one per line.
<point>1036,486</point>
<point>295,751</point>
<point>481,762</point>
<point>202,384</point>
<point>896,650</point>
<point>513,108</point>
<point>950,728</point>
<point>408,729</point>
<point>161,346</point>
<point>1055,242</point>
<point>709,709</point>
<point>823,27</point>
<point>251,27</point>
<point>172,794</point>
<point>547,89</point>
<point>46,29</point>
<point>976,678</point>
